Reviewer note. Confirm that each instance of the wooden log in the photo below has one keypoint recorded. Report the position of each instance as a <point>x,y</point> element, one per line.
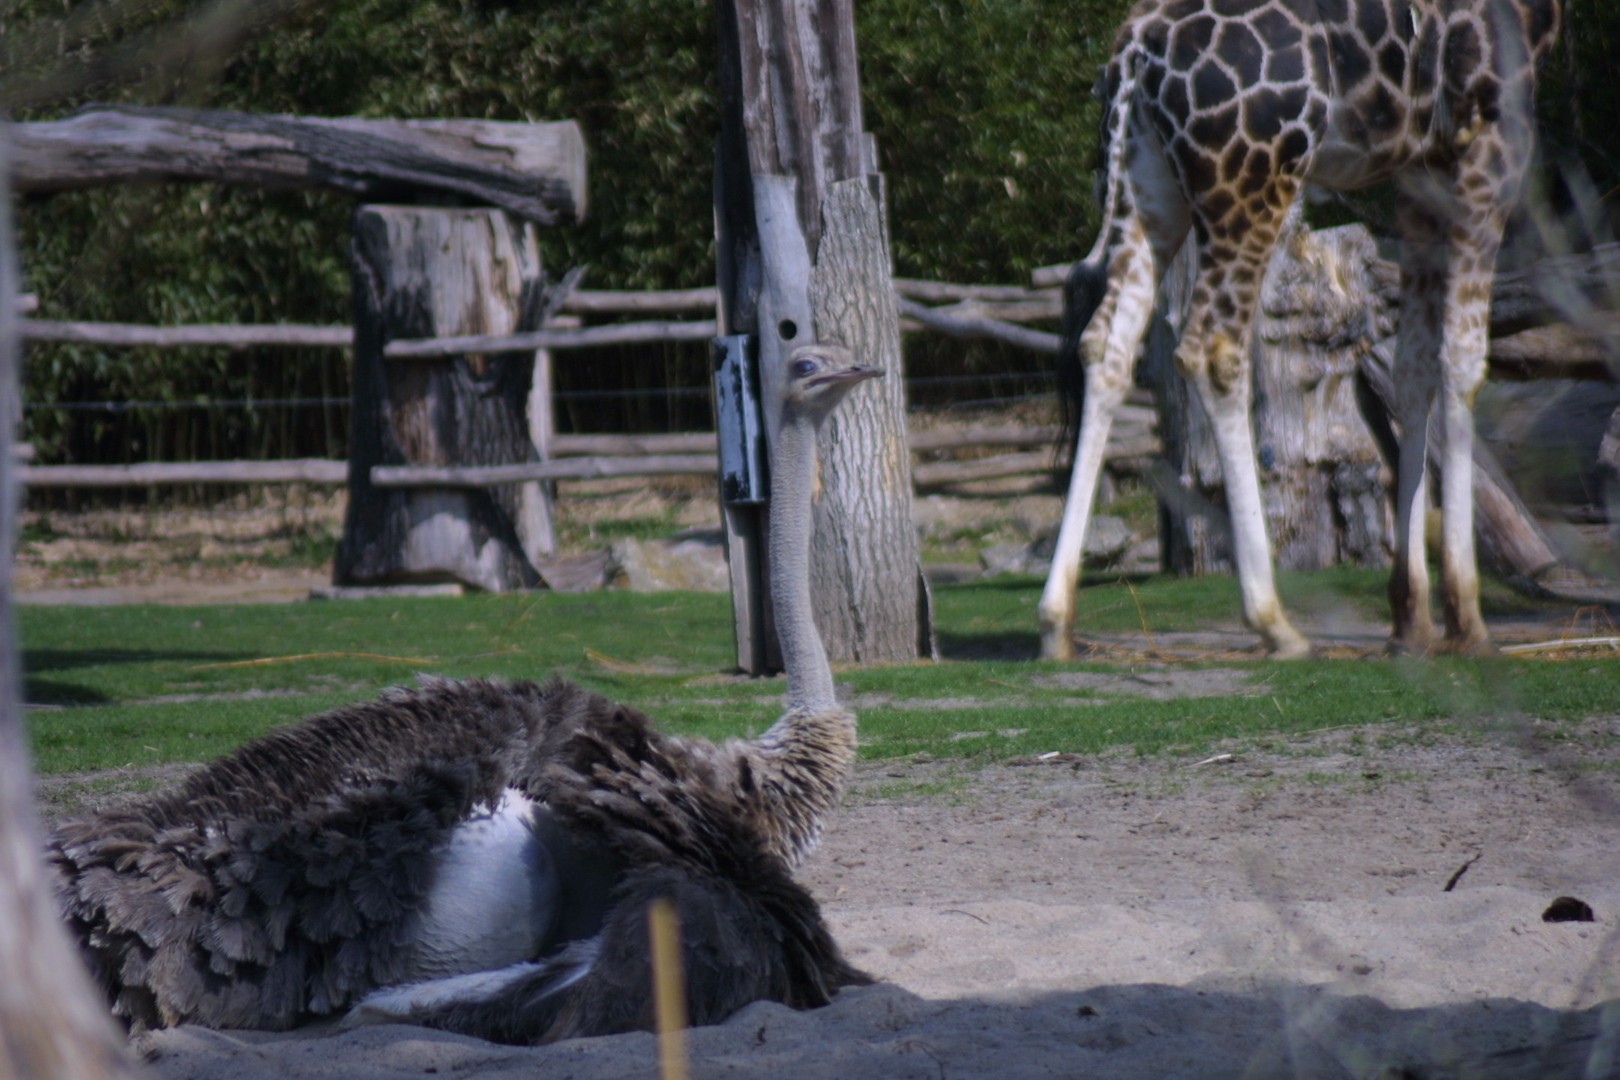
<point>587,468</point>
<point>938,473</point>
<point>945,292</point>
<point>695,442</point>
<point>428,273</point>
<point>589,337</point>
<point>151,473</point>
<point>585,302</point>
<point>1561,351</point>
<point>986,328</point>
<point>536,171</point>
<point>199,335</point>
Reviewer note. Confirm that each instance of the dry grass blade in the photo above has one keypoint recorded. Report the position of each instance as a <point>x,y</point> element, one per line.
<point>669,991</point>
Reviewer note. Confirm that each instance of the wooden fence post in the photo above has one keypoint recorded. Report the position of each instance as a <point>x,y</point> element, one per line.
<point>53,1024</point>
<point>424,272</point>
<point>804,256</point>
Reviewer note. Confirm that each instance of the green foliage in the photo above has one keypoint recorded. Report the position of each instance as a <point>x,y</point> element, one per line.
<point>981,109</point>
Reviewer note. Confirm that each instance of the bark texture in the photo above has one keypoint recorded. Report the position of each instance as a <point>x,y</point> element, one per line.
<point>428,273</point>
<point>868,540</point>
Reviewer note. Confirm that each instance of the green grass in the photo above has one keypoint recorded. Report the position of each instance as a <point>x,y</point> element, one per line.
<point>145,685</point>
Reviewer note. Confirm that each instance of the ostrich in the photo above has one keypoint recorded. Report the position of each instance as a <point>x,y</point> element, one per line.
<point>480,856</point>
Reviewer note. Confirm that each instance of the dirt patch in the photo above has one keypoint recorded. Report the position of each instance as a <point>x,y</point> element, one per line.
<point>1357,904</point>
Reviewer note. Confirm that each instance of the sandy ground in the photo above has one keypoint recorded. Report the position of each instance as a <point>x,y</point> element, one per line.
<point>1342,908</point>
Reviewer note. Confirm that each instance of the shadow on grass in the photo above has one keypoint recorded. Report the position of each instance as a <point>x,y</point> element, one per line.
<point>52,692</point>
<point>68,659</point>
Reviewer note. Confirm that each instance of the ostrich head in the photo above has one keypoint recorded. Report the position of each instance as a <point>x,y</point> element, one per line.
<point>818,377</point>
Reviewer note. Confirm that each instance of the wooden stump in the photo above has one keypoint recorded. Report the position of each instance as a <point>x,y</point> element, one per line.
<point>427,272</point>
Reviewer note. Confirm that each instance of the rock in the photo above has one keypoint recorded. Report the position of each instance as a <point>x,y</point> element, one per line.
<point>576,573</point>
<point>1107,539</point>
<point>692,562</point>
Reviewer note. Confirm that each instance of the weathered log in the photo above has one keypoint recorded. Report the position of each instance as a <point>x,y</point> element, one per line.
<point>939,473</point>
<point>693,442</point>
<point>946,292</point>
<point>536,171</point>
<point>215,335</point>
<point>979,327</point>
<point>586,302</point>
<point>149,473</point>
<point>424,273</point>
<point>1560,351</point>
<point>588,337</point>
<point>580,468</point>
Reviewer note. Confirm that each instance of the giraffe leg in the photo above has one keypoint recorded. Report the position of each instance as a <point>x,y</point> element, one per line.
<point>1452,238</point>
<point>1416,379</point>
<point>1149,225</point>
<point>1214,358</point>
<point>1476,236</point>
<point>1108,351</point>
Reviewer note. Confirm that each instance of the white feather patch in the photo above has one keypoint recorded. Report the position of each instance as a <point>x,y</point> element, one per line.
<point>495,895</point>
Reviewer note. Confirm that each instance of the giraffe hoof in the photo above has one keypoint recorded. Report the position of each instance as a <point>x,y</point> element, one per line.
<point>1298,649</point>
<point>1057,640</point>
<point>1410,646</point>
<point>1474,647</point>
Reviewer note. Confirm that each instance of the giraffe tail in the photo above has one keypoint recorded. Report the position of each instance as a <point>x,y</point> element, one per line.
<point>1088,279</point>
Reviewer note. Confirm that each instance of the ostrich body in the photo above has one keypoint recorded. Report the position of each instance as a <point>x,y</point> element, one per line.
<point>480,856</point>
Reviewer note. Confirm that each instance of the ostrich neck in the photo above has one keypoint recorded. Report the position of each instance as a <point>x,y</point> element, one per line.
<point>810,680</point>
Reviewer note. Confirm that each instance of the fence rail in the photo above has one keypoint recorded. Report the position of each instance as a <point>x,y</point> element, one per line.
<point>588,457</point>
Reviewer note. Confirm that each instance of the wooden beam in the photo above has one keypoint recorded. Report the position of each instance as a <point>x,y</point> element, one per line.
<point>217,335</point>
<point>534,170</point>
<point>986,328</point>
<point>615,334</point>
<point>591,468</point>
<point>149,473</point>
<point>586,302</point>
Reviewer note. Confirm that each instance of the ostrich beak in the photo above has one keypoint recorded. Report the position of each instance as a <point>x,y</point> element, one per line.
<point>848,376</point>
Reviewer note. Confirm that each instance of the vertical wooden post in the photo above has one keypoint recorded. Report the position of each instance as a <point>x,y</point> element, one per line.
<point>53,1024</point>
<point>427,272</point>
<point>804,256</point>
<point>535,524</point>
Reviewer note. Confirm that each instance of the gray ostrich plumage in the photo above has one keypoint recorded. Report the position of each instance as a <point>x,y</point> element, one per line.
<point>480,855</point>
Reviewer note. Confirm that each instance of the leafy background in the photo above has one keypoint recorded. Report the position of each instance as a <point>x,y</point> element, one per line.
<point>981,108</point>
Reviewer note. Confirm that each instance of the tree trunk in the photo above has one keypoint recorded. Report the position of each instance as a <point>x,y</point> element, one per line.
<point>865,504</point>
<point>429,273</point>
<point>804,256</point>
<point>53,1024</point>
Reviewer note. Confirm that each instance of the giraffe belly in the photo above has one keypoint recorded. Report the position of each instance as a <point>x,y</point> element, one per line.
<point>495,897</point>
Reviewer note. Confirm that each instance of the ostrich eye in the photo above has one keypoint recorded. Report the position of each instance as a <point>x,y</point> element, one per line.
<point>801,368</point>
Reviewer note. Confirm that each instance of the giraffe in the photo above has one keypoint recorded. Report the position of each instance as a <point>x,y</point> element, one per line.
<point>1215,112</point>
